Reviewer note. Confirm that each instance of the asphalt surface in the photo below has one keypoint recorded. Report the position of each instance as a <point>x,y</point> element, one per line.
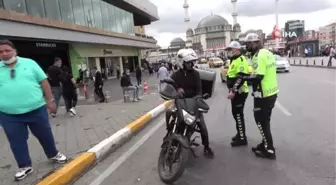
<point>303,125</point>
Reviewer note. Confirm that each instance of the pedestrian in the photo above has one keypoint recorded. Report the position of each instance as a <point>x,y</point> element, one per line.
<point>238,90</point>
<point>69,88</point>
<point>332,54</point>
<point>138,75</point>
<point>22,104</point>
<point>54,73</point>
<point>265,91</point>
<point>98,84</point>
<point>306,52</point>
<point>118,72</point>
<point>126,85</point>
<point>162,73</point>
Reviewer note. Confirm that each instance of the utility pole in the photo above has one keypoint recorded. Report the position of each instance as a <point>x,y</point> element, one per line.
<point>276,23</point>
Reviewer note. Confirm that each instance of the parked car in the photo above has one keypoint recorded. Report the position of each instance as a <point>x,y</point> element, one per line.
<point>202,64</point>
<point>215,62</point>
<point>282,64</point>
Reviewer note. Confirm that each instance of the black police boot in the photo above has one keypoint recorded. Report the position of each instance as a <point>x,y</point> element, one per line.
<point>239,142</point>
<point>262,152</point>
<point>235,137</point>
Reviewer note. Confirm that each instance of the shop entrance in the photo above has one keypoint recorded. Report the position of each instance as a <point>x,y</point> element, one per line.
<point>42,52</point>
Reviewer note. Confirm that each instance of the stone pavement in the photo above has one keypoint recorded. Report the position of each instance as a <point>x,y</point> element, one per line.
<point>74,135</point>
<point>312,61</point>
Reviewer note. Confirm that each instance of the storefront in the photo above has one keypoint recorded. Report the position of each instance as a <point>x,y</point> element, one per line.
<point>105,57</point>
<point>43,52</point>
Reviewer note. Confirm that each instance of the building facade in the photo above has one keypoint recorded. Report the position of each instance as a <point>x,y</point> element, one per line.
<point>327,35</point>
<point>83,33</point>
<point>212,35</point>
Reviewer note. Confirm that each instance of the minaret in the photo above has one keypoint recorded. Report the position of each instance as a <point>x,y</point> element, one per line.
<point>187,22</point>
<point>234,11</point>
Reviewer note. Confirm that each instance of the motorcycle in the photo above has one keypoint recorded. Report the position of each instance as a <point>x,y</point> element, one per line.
<point>181,123</point>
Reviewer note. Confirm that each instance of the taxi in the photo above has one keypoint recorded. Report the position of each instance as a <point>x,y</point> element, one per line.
<point>224,69</point>
<point>215,62</point>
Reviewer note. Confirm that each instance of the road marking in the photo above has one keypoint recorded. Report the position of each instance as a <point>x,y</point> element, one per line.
<point>282,108</point>
<point>116,164</point>
<point>329,82</point>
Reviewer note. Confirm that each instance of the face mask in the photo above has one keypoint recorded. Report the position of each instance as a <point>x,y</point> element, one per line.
<point>10,61</point>
<point>230,54</point>
<point>249,47</point>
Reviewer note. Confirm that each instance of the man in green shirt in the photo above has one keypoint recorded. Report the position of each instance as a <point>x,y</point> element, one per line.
<point>22,104</point>
<point>265,90</point>
<point>238,90</point>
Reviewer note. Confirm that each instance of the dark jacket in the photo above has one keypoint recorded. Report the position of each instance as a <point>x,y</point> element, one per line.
<point>138,73</point>
<point>98,79</point>
<point>189,81</point>
<point>125,81</point>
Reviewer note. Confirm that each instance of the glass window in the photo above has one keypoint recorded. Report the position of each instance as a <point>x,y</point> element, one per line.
<point>112,18</point>
<point>105,15</point>
<point>1,4</point>
<point>132,23</point>
<point>15,5</point>
<point>123,21</point>
<point>35,8</point>
<point>88,13</point>
<point>78,11</point>
<point>97,14</point>
<point>66,11</point>
<point>52,10</point>
<point>118,19</point>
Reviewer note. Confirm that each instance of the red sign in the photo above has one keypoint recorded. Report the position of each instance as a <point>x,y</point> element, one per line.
<point>276,33</point>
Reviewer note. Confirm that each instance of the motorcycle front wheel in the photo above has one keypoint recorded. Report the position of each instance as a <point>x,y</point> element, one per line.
<point>172,161</point>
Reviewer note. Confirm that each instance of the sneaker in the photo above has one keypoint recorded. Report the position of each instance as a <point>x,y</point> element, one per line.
<point>135,100</point>
<point>71,114</point>
<point>23,172</point>
<point>239,142</point>
<point>208,152</point>
<point>73,111</point>
<point>268,154</point>
<point>53,115</point>
<point>59,158</point>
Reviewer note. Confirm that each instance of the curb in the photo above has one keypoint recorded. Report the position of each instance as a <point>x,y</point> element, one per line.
<point>78,166</point>
<point>316,66</point>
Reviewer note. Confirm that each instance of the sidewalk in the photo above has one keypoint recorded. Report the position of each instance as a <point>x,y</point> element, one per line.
<point>311,61</point>
<point>75,135</point>
<point>113,90</point>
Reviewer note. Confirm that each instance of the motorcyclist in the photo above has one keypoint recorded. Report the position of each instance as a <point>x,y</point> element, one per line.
<point>265,90</point>
<point>188,83</point>
<point>238,90</point>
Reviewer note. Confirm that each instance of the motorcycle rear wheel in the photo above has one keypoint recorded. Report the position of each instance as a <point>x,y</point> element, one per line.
<point>181,155</point>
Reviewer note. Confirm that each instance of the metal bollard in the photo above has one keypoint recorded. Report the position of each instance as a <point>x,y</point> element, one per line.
<point>300,61</point>
<point>294,61</point>
<point>314,61</point>
<point>322,61</point>
<point>307,61</point>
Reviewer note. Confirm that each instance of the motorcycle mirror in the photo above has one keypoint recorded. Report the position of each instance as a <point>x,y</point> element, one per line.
<point>169,81</point>
<point>206,96</point>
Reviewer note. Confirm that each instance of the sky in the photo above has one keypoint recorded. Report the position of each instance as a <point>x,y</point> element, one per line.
<point>252,14</point>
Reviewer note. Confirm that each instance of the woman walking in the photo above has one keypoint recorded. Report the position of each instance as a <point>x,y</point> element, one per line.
<point>69,91</point>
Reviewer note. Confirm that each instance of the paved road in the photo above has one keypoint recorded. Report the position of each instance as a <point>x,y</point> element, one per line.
<point>312,61</point>
<point>303,124</point>
<point>74,135</point>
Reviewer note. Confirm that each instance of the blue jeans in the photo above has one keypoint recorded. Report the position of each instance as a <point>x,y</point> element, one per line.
<point>16,130</point>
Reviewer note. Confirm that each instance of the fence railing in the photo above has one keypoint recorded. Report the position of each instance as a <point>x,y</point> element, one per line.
<point>313,62</point>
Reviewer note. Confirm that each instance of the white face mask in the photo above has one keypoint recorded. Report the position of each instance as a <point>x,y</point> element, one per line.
<point>10,61</point>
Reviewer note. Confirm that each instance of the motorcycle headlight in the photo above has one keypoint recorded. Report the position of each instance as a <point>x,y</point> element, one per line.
<point>188,119</point>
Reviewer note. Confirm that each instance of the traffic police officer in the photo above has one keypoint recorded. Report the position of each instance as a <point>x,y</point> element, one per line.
<point>238,90</point>
<point>265,90</point>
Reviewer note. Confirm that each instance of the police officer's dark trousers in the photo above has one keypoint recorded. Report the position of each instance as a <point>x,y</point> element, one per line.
<point>237,106</point>
<point>262,115</point>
